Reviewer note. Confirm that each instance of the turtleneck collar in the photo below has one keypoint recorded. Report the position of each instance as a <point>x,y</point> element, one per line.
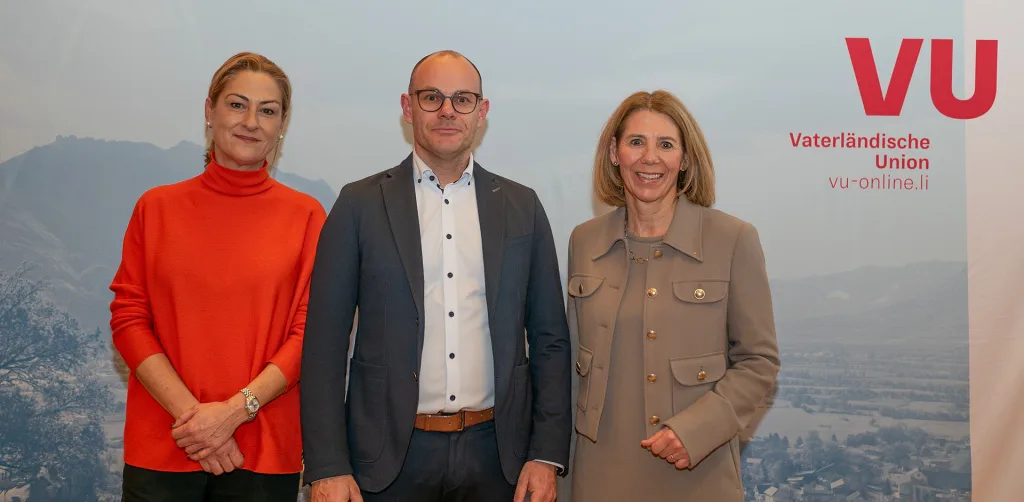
<point>235,182</point>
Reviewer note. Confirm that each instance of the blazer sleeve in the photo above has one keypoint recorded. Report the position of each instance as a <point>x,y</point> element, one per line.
<point>548,337</point>
<point>717,416</point>
<point>333,293</point>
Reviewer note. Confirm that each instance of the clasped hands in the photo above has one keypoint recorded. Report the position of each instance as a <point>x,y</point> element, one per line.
<point>205,431</point>
<point>666,444</point>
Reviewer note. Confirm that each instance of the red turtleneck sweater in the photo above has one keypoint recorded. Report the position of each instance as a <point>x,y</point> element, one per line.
<point>215,274</point>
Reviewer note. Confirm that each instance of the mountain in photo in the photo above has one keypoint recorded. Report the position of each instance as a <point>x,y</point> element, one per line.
<point>64,208</point>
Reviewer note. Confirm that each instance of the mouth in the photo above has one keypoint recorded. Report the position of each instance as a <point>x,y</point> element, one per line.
<point>649,177</point>
<point>247,139</point>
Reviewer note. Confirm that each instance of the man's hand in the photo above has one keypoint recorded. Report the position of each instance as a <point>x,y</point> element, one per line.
<point>537,479</point>
<point>666,444</point>
<point>225,459</point>
<point>336,489</point>
<point>205,427</point>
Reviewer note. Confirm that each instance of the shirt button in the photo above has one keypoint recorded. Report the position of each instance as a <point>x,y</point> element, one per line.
<point>652,378</point>
<point>654,419</point>
<point>652,334</point>
<point>658,253</point>
<point>431,178</point>
<point>652,292</point>
<point>451,356</point>
<point>446,201</point>
<point>451,314</point>
<point>451,397</point>
<point>450,275</point>
<point>449,236</point>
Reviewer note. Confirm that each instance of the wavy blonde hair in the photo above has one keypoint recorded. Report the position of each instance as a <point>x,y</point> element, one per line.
<point>696,180</point>
<point>250,61</point>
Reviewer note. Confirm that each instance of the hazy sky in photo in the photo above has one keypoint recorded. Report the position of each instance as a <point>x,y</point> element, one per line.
<point>750,71</point>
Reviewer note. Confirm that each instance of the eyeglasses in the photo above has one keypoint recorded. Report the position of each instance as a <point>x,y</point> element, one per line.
<point>431,100</point>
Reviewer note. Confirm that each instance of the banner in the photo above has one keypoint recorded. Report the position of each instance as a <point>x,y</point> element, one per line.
<point>870,143</point>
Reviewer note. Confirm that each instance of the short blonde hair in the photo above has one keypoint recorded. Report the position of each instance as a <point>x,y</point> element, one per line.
<point>696,182</point>
<point>250,61</point>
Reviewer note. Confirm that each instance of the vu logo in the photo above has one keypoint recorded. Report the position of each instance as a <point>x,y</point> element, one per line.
<point>943,98</point>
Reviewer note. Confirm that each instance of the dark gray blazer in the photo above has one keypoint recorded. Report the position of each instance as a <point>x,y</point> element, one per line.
<point>369,256</point>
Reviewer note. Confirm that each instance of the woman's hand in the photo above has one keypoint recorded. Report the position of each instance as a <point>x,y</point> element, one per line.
<point>666,444</point>
<point>226,459</point>
<point>205,427</point>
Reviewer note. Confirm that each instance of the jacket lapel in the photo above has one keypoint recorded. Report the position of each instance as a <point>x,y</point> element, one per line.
<point>400,205</point>
<point>490,201</point>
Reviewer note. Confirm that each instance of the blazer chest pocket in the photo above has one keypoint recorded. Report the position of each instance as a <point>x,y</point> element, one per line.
<point>584,360</point>
<point>583,288</point>
<point>694,376</point>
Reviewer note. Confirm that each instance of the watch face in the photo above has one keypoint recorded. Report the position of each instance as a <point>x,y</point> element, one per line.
<point>252,406</point>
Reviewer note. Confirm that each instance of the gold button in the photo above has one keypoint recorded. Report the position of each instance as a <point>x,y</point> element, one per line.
<point>698,294</point>
<point>578,367</point>
<point>652,334</point>
<point>652,378</point>
<point>654,419</point>
<point>581,288</point>
<point>652,292</point>
<point>658,253</point>
<point>702,375</point>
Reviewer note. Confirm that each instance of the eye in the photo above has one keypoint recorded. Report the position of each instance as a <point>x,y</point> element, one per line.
<point>236,105</point>
<point>636,142</point>
<point>667,145</point>
<point>270,112</point>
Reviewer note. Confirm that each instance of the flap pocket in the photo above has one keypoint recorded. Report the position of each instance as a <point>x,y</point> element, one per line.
<point>581,286</point>
<point>699,370</point>
<point>583,361</point>
<point>700,291</point>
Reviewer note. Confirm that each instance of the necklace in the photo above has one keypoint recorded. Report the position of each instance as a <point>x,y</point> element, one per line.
<point>625,231</point>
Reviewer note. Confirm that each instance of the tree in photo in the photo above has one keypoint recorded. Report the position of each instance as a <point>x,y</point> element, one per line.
<point>52,404</point>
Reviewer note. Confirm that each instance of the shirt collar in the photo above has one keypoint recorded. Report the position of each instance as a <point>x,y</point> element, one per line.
<point>685,234</point>
<point>421,170</point>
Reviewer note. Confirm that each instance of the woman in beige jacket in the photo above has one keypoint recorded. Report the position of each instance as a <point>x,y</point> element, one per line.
<point>670,305</point>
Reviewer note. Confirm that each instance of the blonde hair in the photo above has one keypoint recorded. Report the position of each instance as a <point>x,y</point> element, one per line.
<point>696,180</point>
<point>250,61</point>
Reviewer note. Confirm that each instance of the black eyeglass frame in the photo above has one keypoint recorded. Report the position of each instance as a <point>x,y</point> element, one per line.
<point>419,100</point>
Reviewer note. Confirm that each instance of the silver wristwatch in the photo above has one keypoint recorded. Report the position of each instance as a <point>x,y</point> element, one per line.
<point>252,405</point>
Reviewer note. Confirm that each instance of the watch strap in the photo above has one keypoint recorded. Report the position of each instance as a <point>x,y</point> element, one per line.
<point>249,396</point>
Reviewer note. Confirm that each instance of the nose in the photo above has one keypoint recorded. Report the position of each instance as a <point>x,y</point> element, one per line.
<point>650,155</point>
<point>447,109</point>
<point>251,121</point>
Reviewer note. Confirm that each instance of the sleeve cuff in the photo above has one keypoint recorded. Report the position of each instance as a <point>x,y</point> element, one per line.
<point>289,359</point>
<point>560,467</point>
<point>136,344</point>
<point>704,426</point>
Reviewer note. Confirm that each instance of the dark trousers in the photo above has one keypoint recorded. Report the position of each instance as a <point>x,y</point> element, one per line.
<point>450,467</point>
<point>144,485</point>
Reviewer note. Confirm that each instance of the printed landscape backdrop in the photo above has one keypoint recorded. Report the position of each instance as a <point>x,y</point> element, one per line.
<point>860,201</point>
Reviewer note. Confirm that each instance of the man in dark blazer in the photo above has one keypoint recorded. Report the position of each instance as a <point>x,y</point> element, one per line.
<point>459,382</point>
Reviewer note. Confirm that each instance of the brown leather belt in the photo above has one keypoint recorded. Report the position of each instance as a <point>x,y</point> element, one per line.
<point>456,422</point>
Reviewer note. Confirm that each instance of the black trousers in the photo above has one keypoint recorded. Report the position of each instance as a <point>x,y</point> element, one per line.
<point>450,467</point>
<point>144,485</point>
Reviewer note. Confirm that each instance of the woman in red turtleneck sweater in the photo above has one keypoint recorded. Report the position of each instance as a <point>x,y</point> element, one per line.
<point>210,306</point>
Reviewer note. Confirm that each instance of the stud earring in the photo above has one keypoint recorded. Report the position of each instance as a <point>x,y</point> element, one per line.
<point>208,126</point>
<point>280,138</point>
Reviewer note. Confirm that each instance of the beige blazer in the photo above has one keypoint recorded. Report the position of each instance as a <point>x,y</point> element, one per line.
<point>710,347</point>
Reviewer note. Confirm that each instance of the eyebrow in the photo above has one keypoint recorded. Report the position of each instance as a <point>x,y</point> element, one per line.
<point>430,88</point>
<point>243,98</point>
<point>641,136</point>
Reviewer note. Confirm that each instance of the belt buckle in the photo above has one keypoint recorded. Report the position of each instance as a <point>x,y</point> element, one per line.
<point>462,421</point>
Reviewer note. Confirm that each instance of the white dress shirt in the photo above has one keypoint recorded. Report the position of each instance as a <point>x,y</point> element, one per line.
<point>457,368</point>
<point>457,365</point>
